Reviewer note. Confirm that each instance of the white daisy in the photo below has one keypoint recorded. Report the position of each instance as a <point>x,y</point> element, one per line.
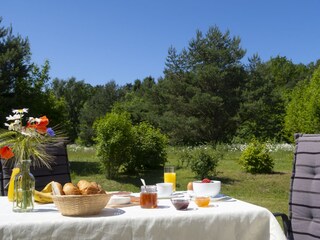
<point>23,110</point>
<point>14,117</point>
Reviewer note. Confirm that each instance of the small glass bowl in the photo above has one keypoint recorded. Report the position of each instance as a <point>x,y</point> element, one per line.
<point>202,201</point>
<point>180,203</point>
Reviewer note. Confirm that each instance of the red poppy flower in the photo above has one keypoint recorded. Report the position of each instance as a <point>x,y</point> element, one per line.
<point>44,121</point>
<point>6,152</point>
<point>42,125</point>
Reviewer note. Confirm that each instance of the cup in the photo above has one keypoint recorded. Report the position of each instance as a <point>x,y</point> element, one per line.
<point>148,196</point>
<point>164,189</point>
<point>170,176</point>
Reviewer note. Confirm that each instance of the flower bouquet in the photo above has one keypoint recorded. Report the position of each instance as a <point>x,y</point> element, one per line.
<point>25,144</point>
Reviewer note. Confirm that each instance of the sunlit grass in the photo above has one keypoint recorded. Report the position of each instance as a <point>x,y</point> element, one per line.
<point>267,190</point>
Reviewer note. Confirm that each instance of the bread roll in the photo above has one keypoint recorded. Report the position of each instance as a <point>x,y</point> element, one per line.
<point>57,188</point>
<point>70,189</point>
<point>96,185</point>
<point>87,188</point>
<point>101,190</point>
<point>83,184</point>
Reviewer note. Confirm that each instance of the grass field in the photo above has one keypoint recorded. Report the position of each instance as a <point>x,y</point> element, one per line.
<point>267,190</point>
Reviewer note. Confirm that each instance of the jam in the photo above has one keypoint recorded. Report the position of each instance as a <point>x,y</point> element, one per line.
<point>180,204</point>
<point>148,200</point>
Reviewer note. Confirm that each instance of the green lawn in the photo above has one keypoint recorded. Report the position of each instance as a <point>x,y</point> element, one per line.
<point>267,190</point>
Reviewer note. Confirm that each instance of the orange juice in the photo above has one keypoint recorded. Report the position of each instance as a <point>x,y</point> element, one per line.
<point>170,177</point>
<point>202,201</point>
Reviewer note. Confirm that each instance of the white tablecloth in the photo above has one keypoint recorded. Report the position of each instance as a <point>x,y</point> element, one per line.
<point>221,220</point>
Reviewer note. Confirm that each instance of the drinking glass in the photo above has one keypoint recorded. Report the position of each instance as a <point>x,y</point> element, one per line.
<point>170,176</point>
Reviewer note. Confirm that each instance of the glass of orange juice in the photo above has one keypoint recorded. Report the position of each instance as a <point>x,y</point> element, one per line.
<point>202,201</point>
<point>170,176</point>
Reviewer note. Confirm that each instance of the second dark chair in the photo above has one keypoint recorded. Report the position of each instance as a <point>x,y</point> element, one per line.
<point>303,222</point>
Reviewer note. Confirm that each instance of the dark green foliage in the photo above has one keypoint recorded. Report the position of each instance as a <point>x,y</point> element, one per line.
<point>75,94</point>
<point>206,94</point>
<point>265,96</point>
<point>140,101</point>
<point>303,111</point>
<point>256,158</point>
<point>14,69</point>
<point>98,104</point>
<point>261,107</point>
<point>23,84</point>
<point>201,89</point>
<point>198,98</point>
<point>14,62</point>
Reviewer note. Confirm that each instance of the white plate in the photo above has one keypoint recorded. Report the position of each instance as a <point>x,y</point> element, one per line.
<point>164,197</point>
<point>222,197</point>
<point>219,197</point>
<point>119,200</point>
<point>120,193</point>
<point>135,194</point>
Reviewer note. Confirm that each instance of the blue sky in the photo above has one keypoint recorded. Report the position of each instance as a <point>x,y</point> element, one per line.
<point>102,40</point>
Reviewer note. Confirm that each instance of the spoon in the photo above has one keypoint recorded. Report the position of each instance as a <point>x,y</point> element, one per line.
<point>144,183</point>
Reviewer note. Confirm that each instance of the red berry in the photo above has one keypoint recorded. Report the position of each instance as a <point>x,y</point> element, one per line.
<point>206,180</point>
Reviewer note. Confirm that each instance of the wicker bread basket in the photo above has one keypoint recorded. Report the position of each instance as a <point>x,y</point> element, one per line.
<point>81,205</point>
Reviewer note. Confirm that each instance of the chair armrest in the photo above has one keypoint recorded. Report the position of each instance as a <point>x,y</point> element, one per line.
<point>286,224</point>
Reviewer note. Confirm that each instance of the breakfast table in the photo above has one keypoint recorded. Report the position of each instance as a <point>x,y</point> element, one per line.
<point>224,218</point>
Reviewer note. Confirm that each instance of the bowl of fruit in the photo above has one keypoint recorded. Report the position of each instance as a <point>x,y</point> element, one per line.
<point>206,187</point>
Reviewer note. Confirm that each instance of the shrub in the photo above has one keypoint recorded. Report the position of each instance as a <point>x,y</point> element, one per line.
<point>114,141</point>
<point>149,148</point>
<point>122,146</point>
<point>203,160</point>
<point>256,158</point>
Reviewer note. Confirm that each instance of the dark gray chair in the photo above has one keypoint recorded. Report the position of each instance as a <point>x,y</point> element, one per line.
<point>59,172</point>
<point>303,221</point>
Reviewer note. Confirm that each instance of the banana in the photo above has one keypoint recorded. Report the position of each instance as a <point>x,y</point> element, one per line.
<point>47,188</point>
<point>42,197</point>
<point>15,171</point>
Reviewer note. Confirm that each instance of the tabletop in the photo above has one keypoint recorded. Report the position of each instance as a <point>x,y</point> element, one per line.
<point>230,219</point>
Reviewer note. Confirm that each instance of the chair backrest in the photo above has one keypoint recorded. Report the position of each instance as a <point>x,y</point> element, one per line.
<point>59,172</point>
<point>304,203</point>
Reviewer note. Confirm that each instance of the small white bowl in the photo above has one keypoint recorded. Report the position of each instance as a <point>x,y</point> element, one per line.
<point>119,200</point>
<point>206,189</point>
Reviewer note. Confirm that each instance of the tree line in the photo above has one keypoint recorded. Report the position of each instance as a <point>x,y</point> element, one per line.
<point>207,93</point>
